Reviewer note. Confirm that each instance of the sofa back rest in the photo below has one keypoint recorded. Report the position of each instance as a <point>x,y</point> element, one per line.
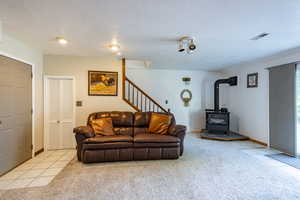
<point>142,121</point>
<point>122,121</point>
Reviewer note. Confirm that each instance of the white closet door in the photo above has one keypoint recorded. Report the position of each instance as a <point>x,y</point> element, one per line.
<point>66,113</point>
<point>15,113</point>
<point>53,105</point>
<point>60,113</point>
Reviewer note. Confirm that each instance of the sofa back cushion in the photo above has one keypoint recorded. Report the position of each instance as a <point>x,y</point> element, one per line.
<point>122,121</point>
<point>142,122</point>
<point>128,123</point>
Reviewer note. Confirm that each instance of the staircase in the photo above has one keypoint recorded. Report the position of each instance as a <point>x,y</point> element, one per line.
<point>136,97</point>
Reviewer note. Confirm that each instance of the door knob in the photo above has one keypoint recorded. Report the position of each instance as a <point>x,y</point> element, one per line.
<point>58,121</point>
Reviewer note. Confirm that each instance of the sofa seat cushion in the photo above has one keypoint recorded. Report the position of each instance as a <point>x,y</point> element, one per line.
<point>155,138</point>
<point>107,145</point>
<point>156,145</point>
<point>108,139</point>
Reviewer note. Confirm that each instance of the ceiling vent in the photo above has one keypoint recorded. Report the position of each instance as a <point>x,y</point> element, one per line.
<point>260,36</point>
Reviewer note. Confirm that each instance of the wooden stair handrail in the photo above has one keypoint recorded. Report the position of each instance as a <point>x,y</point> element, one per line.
<point>145,94</point>
<point>123,77</point>
<point>147,97</point>
<point>132,105</point>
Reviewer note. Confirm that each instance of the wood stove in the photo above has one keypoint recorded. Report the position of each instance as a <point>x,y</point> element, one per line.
<point>218,120</point>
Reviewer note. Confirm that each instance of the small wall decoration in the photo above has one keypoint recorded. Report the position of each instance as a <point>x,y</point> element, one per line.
<point>103,83</point>
<point>186,80</point>
<point>186,96</point>
<point>252,80</point>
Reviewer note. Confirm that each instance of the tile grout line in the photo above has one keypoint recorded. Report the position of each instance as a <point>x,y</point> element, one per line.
<point>23,172</point>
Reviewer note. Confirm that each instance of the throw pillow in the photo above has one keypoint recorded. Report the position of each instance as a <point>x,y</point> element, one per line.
<point>103,126</point>
<point>159,123</point>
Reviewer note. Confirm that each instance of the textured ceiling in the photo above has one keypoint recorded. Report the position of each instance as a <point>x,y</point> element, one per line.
<point>147,30</point>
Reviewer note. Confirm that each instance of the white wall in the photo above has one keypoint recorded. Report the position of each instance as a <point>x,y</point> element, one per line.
<point>249,107</point>
<point>167,85</point>
<point>79,66</point>
<point>20,51</point>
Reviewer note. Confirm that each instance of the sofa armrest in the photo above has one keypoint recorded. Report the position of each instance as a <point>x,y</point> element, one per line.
<point>82,133</point>
<point>179,131</point>
<point>85,131</point>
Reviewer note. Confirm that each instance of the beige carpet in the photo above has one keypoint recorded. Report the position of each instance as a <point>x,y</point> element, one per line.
<point>208,170</point>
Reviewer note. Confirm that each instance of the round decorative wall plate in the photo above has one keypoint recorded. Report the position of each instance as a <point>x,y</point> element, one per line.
<point>186,96</point>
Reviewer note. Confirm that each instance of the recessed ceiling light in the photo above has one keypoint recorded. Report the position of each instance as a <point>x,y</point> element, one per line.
<point>114,47</point>
<point>61,40</point>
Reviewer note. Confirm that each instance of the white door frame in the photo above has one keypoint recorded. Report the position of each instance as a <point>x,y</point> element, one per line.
<point>33,69</point>
<point>46,128</point>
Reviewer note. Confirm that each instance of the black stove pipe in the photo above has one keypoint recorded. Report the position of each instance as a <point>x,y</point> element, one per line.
<point>231,81</point>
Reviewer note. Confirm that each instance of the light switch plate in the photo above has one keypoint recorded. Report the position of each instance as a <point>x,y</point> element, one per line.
<point>79,103</point>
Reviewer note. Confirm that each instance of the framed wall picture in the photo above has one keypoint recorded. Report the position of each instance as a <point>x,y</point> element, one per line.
<point>103,83</point>
<point>252,80</point>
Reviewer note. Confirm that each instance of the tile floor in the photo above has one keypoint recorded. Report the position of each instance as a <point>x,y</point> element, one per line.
<point>37,172</point>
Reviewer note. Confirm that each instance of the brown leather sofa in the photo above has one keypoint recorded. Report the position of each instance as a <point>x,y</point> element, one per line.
<point>132,140</point>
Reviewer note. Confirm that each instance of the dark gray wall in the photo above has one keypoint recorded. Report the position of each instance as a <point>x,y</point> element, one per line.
<point>282,108</point>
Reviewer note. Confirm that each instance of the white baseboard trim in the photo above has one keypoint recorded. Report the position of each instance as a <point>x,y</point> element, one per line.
<point>195,130</point>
